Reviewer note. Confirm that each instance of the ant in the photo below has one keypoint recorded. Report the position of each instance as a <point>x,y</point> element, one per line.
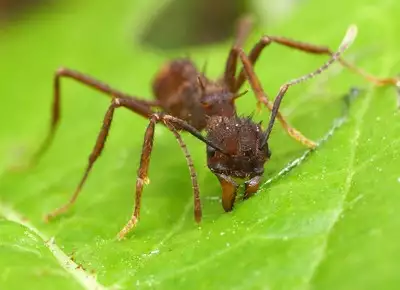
<point>236,146</point>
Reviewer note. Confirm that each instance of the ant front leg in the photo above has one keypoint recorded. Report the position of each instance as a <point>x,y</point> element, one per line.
<point>262,98</point>
<point>172,123</point>
<point>312,49</point>
<point>141,107</point>
<point>97,150</point>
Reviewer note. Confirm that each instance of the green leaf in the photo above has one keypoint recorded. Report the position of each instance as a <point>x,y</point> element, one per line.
<point>330,223</point>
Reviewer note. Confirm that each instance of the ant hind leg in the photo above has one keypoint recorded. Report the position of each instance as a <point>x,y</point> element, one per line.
<point>141,107</point>
<point>96,152</point>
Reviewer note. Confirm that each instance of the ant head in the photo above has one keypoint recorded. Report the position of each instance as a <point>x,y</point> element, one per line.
<point>217,100</point>
<point>243,155</point>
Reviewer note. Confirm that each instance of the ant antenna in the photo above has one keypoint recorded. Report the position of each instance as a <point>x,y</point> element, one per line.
<point>348,39</point>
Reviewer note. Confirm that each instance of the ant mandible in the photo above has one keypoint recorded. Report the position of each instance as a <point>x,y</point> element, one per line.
<point>236,146</point>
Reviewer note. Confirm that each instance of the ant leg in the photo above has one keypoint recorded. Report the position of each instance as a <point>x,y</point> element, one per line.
<point>140,107</point>
<point>96,152</point>
<point>243,31</point>
<point>193,175</point>
<point>171,123</point>
<point>309,48</point>
<point>346,42</point>
<point>262,98</point>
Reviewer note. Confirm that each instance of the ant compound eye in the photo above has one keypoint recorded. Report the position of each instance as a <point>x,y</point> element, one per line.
<point>210,151</point>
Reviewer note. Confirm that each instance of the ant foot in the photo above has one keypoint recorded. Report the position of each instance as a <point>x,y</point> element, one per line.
<point>127,228</point>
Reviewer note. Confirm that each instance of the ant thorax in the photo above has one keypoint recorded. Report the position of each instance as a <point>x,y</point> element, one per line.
<point>240,139</point>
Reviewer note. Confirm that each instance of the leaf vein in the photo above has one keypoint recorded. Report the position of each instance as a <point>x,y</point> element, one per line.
<point>347,187</point>
<point>85,279</point>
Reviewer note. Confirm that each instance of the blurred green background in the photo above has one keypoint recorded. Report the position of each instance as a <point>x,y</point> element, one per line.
<point>330,223</point>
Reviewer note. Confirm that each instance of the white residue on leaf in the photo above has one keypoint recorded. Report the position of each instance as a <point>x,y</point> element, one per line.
<point>213,198</point>
<point>154,252</point>
<point>398,179</point>
<point>222,233</point>
<point>31,236</point>
<point>150,281</point>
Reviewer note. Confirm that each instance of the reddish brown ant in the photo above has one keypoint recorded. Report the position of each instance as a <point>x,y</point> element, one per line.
<point>236,146</point>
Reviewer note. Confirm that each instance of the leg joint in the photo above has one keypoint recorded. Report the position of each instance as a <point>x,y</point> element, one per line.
<point>62,71</point>
<point>116,102</point>
<point>265,40</point>
<point>157,116</point>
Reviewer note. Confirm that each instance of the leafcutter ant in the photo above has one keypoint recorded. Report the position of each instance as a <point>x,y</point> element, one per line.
<point>236,146</point>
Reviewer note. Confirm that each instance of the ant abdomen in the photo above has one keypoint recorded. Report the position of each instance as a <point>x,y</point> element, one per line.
<point>170,78</point>
<point>175,87</point>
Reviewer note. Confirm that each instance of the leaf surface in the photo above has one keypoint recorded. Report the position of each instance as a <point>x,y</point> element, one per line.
<point>330,223</point>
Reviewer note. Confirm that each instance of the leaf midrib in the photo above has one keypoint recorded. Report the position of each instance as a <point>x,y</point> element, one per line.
<point>85,279</point>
